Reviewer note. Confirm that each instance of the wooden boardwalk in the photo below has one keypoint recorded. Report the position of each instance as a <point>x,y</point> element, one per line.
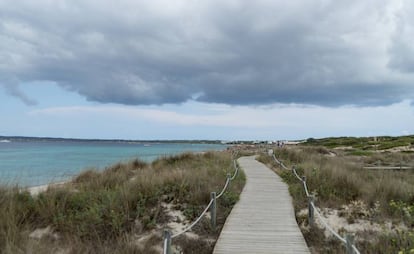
<point>263,221</point>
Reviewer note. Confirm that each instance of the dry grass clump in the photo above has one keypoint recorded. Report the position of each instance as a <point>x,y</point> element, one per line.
<point>105,211</point>
<point>338,180</point>
<point>390,159</point>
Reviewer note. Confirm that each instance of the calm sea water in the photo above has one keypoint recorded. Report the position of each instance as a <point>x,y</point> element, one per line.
<point>37,163</point>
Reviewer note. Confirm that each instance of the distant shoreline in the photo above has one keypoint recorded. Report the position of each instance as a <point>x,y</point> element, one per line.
<point>53,139</point>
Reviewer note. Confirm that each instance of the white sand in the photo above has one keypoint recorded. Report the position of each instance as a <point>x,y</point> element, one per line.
<point>339,223</point>
<point>178,222</point>
<point>42,188</point>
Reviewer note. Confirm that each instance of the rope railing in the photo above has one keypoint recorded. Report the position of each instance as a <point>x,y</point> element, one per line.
<point>303,180</point>
<point>211,205</point>
<point>296,174</point>
<point>354,248</point>
<point>279,162</point>
<point>225,187</point>
<point>236,171</point>
<point>195,222</point>
<point>348,240</point>
<point>327,225</point>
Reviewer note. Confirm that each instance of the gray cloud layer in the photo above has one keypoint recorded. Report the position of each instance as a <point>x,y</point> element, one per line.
<point>236,52</point>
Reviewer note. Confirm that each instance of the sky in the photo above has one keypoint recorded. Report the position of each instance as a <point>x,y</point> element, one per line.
<point>206,69</point>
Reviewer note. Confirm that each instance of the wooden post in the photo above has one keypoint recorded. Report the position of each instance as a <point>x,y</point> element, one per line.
<point>310,210</point>
<point>349,242</point>
<point>167,242</point>
<point>213,210</point>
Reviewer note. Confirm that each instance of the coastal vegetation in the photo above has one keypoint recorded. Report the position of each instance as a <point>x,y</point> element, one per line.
<point>122,209</point>
<point>368,144</point>
<point>374,204</point>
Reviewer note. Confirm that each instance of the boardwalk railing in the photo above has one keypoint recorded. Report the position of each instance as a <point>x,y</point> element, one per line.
<point>312,210</point>
<point>212,206</point>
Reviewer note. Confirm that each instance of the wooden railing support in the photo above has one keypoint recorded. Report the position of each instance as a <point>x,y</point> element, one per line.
<point>167,242</point>
<point>311,213</point>
<point>349,242</point>
<point>213,210</point>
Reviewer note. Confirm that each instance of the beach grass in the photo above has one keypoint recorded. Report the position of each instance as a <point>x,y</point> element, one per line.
<point>338,180</point>
<point>111,211</point>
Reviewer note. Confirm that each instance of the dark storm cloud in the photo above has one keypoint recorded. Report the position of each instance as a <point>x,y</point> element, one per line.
<point>235,52</point>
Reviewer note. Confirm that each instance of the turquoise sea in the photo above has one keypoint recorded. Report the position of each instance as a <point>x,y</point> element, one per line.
<point>41,162</point>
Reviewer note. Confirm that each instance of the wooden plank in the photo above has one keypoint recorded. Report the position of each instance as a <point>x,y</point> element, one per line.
<point>387,167</point>
<point>263,221</point>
